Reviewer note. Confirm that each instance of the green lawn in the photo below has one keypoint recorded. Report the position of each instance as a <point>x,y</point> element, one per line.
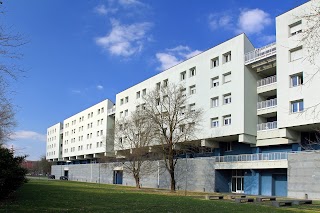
<point>67,196</point>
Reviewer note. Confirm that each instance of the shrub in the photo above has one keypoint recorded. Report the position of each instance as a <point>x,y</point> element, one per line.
<point>12,175</point>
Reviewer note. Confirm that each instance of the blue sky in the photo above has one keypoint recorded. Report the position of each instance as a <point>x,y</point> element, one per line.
<point>82,52</point>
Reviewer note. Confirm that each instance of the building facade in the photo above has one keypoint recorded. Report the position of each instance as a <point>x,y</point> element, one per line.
<point>259,108</point>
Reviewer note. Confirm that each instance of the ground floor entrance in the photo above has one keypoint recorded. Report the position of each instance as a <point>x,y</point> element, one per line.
<point>117,176</point>
<point>270,182</point>
<point>237,181</point>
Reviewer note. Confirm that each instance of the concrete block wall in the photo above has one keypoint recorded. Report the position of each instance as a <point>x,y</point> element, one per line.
<point>195,174</point>
<point>304,175</point>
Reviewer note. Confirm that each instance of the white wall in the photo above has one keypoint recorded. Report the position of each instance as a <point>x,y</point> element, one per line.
<point>309,91</point>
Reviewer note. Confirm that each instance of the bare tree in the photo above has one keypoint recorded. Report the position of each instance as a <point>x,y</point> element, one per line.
<point>9,69</point>
<point>309,37</point>
<point>134,134</point>
<point>176,122</point>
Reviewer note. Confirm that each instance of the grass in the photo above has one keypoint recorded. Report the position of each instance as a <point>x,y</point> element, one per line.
<point>67,196</point>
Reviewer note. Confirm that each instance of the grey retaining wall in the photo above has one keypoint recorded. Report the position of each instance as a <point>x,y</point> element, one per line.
<point>195,174</point>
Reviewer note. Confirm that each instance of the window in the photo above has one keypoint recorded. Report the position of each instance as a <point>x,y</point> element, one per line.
<point>99,110</point>
<point>215,62</point>
<point>183,76</point>
<point>214,122</point>
<point>182,110</point>
<point>182,128</point>
<point>138,95</point>
<point>127,99</point>
<point>102,110</point>
<point>125,113</point>
<point>158,85</point>
<point>215,102</point>
<point>215,81</point>
<point>98,133</point>
<point>227,98</point>
<point>296,80</point>
<point>183,92</point>
<point>227,120</point>
<point>165,83</point>
<point>295,28</point>
<point>192,71</point>
<point>192,107</point>
<point>121,101</point>
<point>192,90</point>
<point>227,77</point>
<point>296,53</point>
<point>158,101</point>
<point>228,147</point>
<point>227,57</point>
<point>297,106</point>
<point>144,92</point>
<point>101,132</point>
<point>121,114</point>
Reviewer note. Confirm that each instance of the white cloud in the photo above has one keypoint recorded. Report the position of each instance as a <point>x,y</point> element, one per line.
<point>25,134</point>
<point>103,10</point>
<point>217,21</point>
<point>166,60</point>
<point>99,87</point>
<point>124,40</point>
<point>130,2</point>
<point>173,56</point>
<point>253,21</point>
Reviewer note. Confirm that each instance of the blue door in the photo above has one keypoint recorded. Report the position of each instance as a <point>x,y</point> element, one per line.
<point>117,177</point>
<point>280,185</point>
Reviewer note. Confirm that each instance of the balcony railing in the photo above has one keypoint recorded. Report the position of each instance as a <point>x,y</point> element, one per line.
<point>253,157</point>
<point>260,53</point>
<point>267,126</point>
<point>111,111</point>
<point>266,81</point>
<point>267,104</point>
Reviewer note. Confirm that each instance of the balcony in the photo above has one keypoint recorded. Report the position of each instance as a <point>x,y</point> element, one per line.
<point>253,157</point>
<point>112,111</point>
<point>267,126</point>
<point>253,161</point>
<point>260,53</point>
<point>267,104</point>
<point>267,81</point>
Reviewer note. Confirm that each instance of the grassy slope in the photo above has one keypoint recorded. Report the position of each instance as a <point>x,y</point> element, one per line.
<point>60,196</point>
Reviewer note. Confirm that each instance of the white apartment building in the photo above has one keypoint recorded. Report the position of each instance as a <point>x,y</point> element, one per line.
<point>83,135</point>
<point>258,106</point>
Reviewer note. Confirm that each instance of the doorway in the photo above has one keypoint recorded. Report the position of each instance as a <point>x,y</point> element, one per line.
<point>66,173</point>
<point>117,176</point>
<point>237,181</point>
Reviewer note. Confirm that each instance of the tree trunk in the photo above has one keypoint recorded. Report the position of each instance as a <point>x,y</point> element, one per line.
<point>137,179</point>
<point>171,171</point>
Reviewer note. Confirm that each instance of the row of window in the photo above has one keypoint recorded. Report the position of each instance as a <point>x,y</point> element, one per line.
<point>52,131</point>
<point>51,153</point>
<point>226,57</point>
<point>124,113</point>
<point>183,75</point>
<point>215,100</point>
<point>52,138</point>
<point>226,120</point>
<point>50,146</point>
